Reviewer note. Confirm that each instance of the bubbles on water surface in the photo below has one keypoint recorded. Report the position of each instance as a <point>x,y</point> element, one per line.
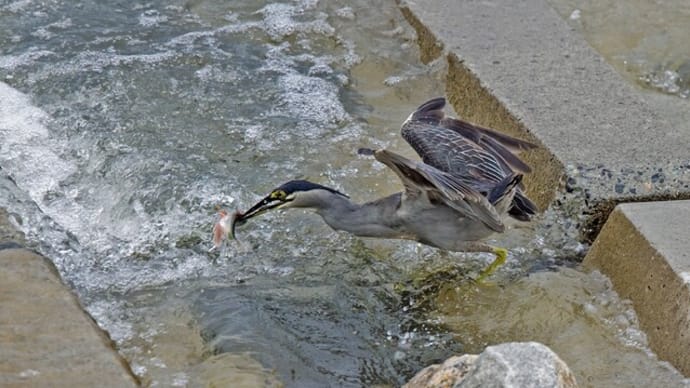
<point>151,18</point>
<point>279,20</point>
<point>311,98</point>
<point>668,81</point>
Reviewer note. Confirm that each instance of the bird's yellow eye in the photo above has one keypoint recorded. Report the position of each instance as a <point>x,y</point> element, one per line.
<point>279,195</point>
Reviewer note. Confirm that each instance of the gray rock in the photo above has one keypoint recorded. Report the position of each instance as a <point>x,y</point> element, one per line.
<point>515,364</point>
<point>452,371</point>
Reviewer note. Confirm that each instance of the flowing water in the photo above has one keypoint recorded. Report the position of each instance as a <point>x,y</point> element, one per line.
<point>646,41</point>
<point>124,125</point>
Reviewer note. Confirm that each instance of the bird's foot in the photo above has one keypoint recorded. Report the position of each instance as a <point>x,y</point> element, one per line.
<point>501,255</point>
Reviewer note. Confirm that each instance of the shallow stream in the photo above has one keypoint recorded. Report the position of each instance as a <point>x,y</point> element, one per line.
<point>124,125</point>
<point>646,41</point>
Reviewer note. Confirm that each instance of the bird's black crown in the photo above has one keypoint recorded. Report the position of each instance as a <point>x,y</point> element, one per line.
<point>302,185</point>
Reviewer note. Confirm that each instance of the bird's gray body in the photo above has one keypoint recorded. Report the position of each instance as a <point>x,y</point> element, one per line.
<point>417,219</point>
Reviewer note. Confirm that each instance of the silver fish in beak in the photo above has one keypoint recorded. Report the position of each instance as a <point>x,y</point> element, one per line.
<point>225,227</point>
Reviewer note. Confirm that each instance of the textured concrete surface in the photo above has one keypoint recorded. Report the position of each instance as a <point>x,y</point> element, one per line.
<point>645,249</point>
<point>518,67</point>
<point>46,339</point>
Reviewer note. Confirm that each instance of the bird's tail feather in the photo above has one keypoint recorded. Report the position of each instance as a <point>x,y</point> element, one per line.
<point>504,190</point>
<point>522,207</point>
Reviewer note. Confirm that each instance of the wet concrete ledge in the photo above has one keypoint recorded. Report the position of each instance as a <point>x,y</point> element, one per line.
<point>644,248</point>
<point>518,67</point>
<point>46,338</point>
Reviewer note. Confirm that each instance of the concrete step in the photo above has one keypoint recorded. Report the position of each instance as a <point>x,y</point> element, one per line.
<point>644,248</point>
<point>46,338</point>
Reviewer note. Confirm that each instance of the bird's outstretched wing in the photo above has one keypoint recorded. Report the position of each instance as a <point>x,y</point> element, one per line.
<point>480,157</point>
<point>472,153</point>
<point>420,178</point>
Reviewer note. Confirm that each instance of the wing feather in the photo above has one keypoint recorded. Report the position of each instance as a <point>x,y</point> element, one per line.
<point>460,148</point>
<point>452,191</point>
<point>480,157</point>
<point>502,146</point>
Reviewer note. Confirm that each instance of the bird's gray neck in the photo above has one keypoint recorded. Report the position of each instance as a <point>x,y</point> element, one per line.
<point>371,219</point>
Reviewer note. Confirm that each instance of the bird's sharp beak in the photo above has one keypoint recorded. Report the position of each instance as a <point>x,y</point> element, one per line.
<point>261,207</point>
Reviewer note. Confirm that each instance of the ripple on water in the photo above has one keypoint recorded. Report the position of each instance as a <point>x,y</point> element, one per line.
<point>645,41</point>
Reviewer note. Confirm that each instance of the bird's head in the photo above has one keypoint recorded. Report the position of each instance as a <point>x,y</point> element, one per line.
<point>297,193</point>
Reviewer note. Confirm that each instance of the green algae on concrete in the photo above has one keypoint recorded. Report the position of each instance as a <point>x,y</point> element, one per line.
<point>46,337</point>
<point>645,250</point>
<point>430,47</point>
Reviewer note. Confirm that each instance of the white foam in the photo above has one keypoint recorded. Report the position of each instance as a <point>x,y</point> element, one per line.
<point>45,31</point>
<point>151,18</point>
<point>11,62</point>
<point>96,61</point>
<point>28,152</point>
<point>279,22</point>
<point>685,276</point>
<point>346,13</point>
<point>311,98</point>
<point>189,38</point>
<point>17,6</point>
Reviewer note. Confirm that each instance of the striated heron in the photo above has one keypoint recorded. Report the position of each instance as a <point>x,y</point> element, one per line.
<point>468,180</point>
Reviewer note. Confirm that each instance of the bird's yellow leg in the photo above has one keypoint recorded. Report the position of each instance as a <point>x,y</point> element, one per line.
<point>501,255</point>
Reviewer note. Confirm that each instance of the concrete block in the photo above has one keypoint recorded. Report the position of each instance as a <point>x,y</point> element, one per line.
<point>46,338</point>
<point>644,248</point>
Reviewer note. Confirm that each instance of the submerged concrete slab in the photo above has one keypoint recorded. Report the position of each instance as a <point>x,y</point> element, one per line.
<point>518,67</point>
<point>644,248</point>
<point>46,339</point>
